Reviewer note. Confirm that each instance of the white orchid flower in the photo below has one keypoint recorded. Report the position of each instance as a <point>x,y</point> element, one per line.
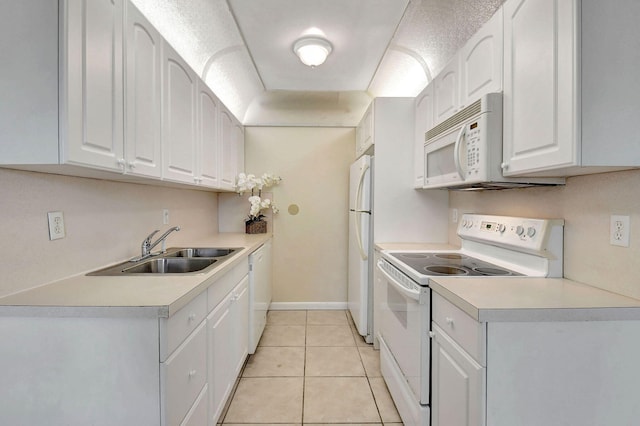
<point>265,203</point>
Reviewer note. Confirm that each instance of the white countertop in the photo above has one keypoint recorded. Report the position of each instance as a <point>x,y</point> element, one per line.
<point>152,295</point>
<point>534,299</point>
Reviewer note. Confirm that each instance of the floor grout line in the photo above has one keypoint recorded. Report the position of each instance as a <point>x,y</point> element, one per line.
<point>360,357</point>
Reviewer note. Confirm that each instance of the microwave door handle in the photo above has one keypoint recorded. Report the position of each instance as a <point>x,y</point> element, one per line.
<point>456,152</point>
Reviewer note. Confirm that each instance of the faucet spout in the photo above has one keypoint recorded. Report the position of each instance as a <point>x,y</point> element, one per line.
<point>147,245</point>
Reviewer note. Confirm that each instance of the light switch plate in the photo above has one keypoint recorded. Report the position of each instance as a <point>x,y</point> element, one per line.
<point>56,225</point>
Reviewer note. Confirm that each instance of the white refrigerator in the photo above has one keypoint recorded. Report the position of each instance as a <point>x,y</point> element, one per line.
<point>360,282</point>
<point>396,211</point>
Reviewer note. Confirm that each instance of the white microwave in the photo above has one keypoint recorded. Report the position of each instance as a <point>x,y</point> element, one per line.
<point>465,151</point>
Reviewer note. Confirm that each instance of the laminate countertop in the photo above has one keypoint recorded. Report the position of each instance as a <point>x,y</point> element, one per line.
<point>140,295</point>
<point>526,298</point>
<point>489,299</point>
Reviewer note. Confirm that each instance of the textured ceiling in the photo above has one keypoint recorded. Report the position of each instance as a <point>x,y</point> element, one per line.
<point>242,50</point>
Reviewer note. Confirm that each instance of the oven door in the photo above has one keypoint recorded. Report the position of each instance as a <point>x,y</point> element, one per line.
<point>405,316</point>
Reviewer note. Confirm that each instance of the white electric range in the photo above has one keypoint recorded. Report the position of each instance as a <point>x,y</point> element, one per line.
<point>492,246</point>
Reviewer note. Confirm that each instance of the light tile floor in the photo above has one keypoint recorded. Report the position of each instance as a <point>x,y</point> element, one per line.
<point>312,368</point>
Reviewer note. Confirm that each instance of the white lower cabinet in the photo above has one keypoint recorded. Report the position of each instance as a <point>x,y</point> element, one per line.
<point>198,415</point>
<point>532,373</point>
<point>183,375</point>
<point>228,339</point>
<point>126,367</point>
<point>457,384</point>
<point>458,375</point>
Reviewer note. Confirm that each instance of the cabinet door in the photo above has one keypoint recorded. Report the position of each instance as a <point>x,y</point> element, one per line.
<point>447,91</point>
<point>228,162</point>
<point>239,141</point>
<point>423,122</point>
<point>179,117</point>
<point>540,83</point>
<point>481,62</point>
<point>457,384</point>
<point>364,132</point>
<point>220,331</point>
<point>143,146</point>
<point>207,159</point>
<point>92,89</point>
<point>241,322</point>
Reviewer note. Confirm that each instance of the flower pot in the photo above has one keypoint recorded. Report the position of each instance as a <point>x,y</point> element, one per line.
<point>256,227</point>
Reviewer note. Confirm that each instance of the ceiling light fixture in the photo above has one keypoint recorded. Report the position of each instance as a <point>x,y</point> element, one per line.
<point>312,51</point>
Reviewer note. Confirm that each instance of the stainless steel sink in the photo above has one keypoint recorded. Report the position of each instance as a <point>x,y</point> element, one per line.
<point>170,265</point>
<point>200,252</point>
<point>176,260</point>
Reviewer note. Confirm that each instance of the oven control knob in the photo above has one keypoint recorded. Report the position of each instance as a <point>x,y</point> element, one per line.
<point>519,230</point>
<point>531,231</point>
<point>501,228</point>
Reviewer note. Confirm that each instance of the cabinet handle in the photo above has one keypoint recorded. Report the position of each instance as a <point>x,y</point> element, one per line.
<point>121,163</point>
<point>191,317</point>
<point>132,164</point>
<point>449,321</point>
<point>192,373</point>
<point>432,334</point>
<point>504,166</point>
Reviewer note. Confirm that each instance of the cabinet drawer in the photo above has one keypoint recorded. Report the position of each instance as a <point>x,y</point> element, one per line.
<point>467,332</point>
<point>175,329</point>
<point>222,286</point>
<point>183,376</point>
<point>197,415</point>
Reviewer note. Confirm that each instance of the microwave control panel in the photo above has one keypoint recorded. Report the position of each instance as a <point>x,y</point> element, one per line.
<point>472,138</point>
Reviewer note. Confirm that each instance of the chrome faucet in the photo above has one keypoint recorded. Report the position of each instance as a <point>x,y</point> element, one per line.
<point>147,245</point>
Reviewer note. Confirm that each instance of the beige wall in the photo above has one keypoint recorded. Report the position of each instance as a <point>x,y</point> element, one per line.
<point>105,223</point>
<point>586,203</point>
<point>309,248</point>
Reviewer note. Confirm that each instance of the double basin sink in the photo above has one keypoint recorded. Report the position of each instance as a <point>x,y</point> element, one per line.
<point>173,261</point>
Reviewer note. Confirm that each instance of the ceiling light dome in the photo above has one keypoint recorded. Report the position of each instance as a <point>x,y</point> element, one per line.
<point>312,51</point>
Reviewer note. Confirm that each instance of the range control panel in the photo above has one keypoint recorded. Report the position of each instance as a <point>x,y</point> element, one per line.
<point>530,235</point>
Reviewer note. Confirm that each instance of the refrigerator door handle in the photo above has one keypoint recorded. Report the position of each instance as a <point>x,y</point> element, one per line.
<point>356,216</point>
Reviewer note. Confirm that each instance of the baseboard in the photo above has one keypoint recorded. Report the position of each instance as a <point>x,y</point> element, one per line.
<point>307,306</point>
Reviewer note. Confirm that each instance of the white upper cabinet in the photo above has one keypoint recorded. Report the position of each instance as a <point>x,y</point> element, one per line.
<point>228,154</point>
<point>364,132</point>
<point>540,78</point>
<point>208,134</point>
<point>143,116</point>
<point>423,122</point>
<point>569,76</point>
<point>481,62</point>
<point>447,101</point>
<point>96,91</point>
<point>92,86</point>
<point>179,118</point>
<point>239,142</point>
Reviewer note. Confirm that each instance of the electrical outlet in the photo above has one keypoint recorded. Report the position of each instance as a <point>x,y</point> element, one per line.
<point>619,232</point>
<point>165,216</point>
<point>56,225</point>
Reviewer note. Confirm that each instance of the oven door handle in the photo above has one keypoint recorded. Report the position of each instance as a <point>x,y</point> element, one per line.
<point>408,293</point>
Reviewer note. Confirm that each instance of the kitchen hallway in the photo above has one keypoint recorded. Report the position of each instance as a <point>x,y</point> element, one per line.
<point>311,367</point>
